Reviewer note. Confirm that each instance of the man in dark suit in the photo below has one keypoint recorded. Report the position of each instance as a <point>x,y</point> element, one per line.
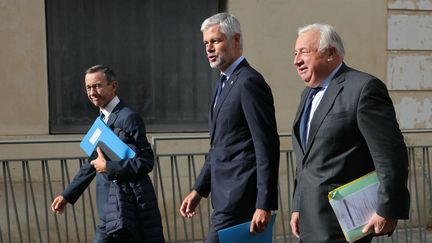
<point>349,129</point>
<point>101,87</point>
<point>241,168</point>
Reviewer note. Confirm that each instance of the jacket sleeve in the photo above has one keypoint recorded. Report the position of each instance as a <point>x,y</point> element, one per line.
<point>133,133</point>
<point>296,194</point>
<point>203,181</point>
<point>80,182</point>
<point>377,122</point>
<point>259,111</point>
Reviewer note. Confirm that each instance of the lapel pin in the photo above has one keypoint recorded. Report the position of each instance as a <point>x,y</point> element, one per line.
<point>232,81</point>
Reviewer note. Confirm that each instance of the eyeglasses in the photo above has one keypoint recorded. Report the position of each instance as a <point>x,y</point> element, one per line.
<point>96,87</point>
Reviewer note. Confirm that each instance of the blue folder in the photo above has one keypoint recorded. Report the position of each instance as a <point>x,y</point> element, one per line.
<point>100,135</point>
<point>240,233</point>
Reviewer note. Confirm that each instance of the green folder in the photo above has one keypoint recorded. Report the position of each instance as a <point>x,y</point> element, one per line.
<point>354,204</point>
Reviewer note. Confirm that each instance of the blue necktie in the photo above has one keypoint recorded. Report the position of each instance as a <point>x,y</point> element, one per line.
<point>305,116</point>
<point>221,81</point>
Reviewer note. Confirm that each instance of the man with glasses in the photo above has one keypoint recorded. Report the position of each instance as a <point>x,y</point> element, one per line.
<point>144,225</point>
<point>345,127</point>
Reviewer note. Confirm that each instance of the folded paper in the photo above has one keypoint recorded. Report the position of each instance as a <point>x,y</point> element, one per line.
<point>354,204</point>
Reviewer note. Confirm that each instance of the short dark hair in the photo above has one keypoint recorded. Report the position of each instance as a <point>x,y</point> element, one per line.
<point>108,72</point>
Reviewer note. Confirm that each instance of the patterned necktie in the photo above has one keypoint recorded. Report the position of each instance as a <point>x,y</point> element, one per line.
<point>221,81</point>
<point>304,122</point>
<point>102,116</point>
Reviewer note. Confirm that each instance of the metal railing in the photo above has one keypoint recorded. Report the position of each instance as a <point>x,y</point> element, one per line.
<point>187,166</point>
<point>28,185</point>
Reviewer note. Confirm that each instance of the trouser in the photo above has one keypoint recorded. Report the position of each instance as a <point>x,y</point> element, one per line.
<point>220,220</point>
<point>102,237</point>
<point>366,239</point>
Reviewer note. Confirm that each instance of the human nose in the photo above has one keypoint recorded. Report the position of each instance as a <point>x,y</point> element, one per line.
<point>297,59</point>
<point>209,48</point>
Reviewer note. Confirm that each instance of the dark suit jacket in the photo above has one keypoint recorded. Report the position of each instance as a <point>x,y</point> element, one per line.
<point>353,131</point>
<point>127,122</point>
<point>241,168</point>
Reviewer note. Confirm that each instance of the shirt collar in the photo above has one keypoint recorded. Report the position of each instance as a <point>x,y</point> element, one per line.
<point>326,81</point>
<point>110,107</point>
<point>232,67</point>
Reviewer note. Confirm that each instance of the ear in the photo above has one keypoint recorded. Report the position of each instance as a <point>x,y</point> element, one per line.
<point>237,38</point>
<point>331,53</point>
<point>114,84</point>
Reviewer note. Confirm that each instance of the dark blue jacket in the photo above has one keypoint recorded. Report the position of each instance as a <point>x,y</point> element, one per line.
<point>132,207</point>
<point>241,169</point>
<point>130,125</point>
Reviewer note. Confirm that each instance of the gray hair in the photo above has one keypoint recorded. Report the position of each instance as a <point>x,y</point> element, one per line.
<point>228,24</point>
<point>108,72</point>
<point>328,38</point>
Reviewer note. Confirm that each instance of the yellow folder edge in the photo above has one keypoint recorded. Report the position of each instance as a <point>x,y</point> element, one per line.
<point>332,192</point>
<point>356,233</point>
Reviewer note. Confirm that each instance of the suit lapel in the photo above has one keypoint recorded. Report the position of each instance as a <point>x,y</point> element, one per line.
<point>229,84</point>
<point>212,104</point>
<point>225,91</point>
<point>113,116</point>
<point>298,115</point>
<point>334,88</point>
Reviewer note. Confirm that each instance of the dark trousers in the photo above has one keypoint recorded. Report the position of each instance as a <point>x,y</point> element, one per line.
<point>102,237</point>
<point>221,220</point>
<point>366,239</point>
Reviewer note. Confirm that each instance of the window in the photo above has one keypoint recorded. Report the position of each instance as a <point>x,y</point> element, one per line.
<point>154,46</point>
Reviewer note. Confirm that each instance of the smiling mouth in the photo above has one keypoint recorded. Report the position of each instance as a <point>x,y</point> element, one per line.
<point>301,70</point>
<point>212,58</point>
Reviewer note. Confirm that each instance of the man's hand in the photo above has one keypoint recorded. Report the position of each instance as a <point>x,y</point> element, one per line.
<point>189,204</point>
<point>294,224</point>
<point>260,220</point>
<point>58,204</point>
<point>100,162</point>
<point>380,226</point>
